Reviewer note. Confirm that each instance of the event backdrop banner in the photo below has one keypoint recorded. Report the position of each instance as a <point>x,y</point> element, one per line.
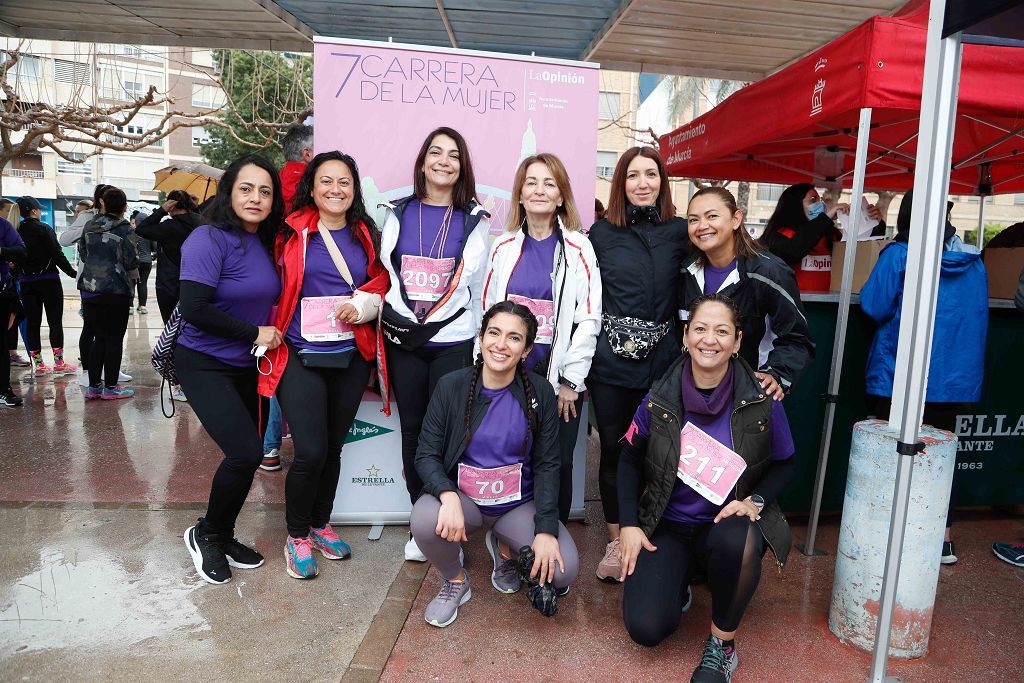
<point>377,102</point>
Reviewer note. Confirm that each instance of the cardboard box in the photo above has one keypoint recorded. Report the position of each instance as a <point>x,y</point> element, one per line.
<point>1003,266</point>
<point>864,262</point>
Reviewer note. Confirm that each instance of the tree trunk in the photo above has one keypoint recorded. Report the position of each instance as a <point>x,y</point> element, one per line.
<point>743,196</point>
<point>885,198</point>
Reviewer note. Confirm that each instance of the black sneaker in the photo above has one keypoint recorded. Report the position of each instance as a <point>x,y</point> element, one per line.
<point>717,664</point>
<point>240,555</point>
<point>207,555</point>
<point>948,553</point>
<point>9,399</point>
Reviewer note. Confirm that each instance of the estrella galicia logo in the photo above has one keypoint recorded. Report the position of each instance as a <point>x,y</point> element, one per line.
<point>364,430</point>
<point>373,478</point>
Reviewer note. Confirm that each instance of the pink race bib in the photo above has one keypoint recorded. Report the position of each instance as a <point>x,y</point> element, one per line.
<point>707,466</point>
<point>492,486</point>
<point>544,311</point>
<point>425,278</point>
<point>317,323</point>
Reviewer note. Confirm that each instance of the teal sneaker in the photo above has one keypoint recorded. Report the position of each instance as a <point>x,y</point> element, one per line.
<point>93,393</point>
<point>328,543</point>
<point>298,556</point>
<point>115,394</point>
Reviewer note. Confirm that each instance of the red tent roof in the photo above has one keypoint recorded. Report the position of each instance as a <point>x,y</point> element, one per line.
<point>800,123</point>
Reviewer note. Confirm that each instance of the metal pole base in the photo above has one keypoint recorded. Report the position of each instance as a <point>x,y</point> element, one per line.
<point>888,679</point>
<point>814,552</point>
<point>376,531</point>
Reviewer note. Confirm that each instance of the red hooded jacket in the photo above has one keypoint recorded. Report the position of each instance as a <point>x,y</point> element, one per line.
<point>289,255</point>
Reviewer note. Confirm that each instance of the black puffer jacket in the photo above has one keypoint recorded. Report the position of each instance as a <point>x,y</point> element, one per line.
<point>443,440</point>
<point>763,287</point>
<point>169,235</point>
<point>43,252</point>
<point>640,267</point>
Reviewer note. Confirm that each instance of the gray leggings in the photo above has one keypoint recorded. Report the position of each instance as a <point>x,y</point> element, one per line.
<point>515,528</point>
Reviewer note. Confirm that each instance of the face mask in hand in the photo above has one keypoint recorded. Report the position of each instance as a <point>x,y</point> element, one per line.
<point>815,210</point>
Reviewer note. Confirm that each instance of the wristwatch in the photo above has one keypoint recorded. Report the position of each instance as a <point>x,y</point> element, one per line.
<point>758,501</point>
<point>571,385</point>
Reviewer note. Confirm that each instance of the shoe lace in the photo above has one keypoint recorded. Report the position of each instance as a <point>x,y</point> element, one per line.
<point>303,548</point>
<point>714,657</point>
<point>449,590</point>
<point>612,551</point>
<point>328,533</point>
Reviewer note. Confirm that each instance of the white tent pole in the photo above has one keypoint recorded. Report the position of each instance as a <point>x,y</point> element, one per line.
<point>913,354</point>
<point>839,345</point>
<point>981,221</point>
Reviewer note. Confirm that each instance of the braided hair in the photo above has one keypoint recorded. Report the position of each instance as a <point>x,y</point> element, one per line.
<point>524,314</point>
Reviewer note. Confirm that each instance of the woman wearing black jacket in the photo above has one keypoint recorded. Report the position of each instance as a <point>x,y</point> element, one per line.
<point>776,338</point>
<point>169,235</point>
<point>641,246</point>
<point>41,289</point>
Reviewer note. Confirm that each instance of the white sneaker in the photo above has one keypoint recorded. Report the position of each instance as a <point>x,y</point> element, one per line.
<point>123,377</point>
<point>413,552</point>
<point>142,310</point>
<point>178,395</point>
<point>83,379</point>
<point>131,311</point>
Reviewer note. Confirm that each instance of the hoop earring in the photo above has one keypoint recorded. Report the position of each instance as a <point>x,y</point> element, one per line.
<point>735,355</point>
<point>686,350</point>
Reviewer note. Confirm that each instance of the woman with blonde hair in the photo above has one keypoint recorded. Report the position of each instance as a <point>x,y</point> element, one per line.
<point>546,264</point>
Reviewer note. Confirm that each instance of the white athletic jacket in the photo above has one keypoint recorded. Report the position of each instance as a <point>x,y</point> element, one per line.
<point>577,304</point>
<point>470,271</point>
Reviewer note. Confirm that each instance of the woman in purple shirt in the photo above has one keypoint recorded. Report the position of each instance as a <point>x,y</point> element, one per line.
<point>488,456</point>
<point>228,286</point>
<point>686,500</point>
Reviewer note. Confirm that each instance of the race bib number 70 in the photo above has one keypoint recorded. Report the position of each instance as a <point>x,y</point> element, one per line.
<point>492,486</point>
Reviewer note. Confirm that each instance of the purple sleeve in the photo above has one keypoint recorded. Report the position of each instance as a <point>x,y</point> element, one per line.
<point>9,237</point>
<point>202,257</point>
<point>641,425</point>
<point>782,437</point>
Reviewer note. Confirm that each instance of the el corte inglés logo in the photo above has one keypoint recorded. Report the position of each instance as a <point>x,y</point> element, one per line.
<point>364,430</point>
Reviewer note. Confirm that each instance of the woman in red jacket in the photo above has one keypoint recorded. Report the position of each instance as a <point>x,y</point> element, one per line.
<point>332,286</point>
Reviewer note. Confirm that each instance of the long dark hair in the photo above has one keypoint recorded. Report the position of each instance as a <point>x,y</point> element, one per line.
<point>789,212</point>
<point>530,321</point>
<point>464,191</point>
<point>220,214</point>
<point>115,203</point>
<point>97,195</point>
<point>617,203</point>
<point>743,243</point>
<point>356,213</point>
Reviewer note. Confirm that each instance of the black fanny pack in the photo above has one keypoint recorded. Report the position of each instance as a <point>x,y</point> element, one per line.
<point>401,331</point>
<point>332,360</point>
<point>633,338</point>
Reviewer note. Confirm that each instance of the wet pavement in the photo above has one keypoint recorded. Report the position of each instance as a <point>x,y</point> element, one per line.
<point>95,583</point>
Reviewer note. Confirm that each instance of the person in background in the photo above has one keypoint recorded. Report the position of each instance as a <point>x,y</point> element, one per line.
<point>801,232</point>
<point>109,264</point>
<point>228,286</point>
<point>776,338</point>
<point>434,245</point>
<point>298,151</point>
<point>549,266</point>
<point>641,246</point>
<point>41,289</point>
<point>957,364</point>
<point>670,531</point>
<point>9,213</point>
<point>12,251</point>
<point>598,210</point>
<point>144,248</point>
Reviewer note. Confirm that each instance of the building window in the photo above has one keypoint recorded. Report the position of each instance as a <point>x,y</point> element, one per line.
<point>199,136</point>
<point>79,165</point>
<point>767,192</point>
<point>606,164</point>
<point>27,69</point>
<point>76,73</point>
<point>608,105</point>
<point>1018,199</point>
<point>206,96</point>
<point>203,58</point>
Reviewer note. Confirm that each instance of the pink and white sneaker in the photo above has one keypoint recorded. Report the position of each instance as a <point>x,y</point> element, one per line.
<point>42,370</point>
<point>63,368</point>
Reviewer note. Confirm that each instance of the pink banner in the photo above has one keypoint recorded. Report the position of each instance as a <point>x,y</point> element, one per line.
<point>377,101</point>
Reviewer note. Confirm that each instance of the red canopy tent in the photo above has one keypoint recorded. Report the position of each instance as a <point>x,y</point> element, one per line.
<point>800,124</point>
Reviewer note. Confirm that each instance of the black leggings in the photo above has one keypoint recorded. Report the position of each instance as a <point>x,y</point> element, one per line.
<point>938,415</point>
<point>40,296</point>
<point>729,552</point>
<point>107,316</point>
<point>413,376</point>
<point>142,286</point>
<point>224,399</point>
<point>6,308</point>
<point>321,405</point>
<point>567,434</point>
<point>614,408</point>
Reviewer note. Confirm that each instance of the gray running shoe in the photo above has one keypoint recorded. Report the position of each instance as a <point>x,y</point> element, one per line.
<point>505,577</point>
<point>689,600</point>
<point>717,664</point>
<point>443,609</point>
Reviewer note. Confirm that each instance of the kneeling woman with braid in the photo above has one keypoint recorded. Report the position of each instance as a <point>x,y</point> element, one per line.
<point>488,456</point>
<point>688,502</point>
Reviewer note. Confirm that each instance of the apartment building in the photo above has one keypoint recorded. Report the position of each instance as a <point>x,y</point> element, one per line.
<point>104,75</point>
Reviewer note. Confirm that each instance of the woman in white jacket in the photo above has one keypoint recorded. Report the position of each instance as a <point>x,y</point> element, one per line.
<point>548,265</point>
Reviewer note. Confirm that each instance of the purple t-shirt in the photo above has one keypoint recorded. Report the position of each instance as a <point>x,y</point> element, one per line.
<point>425,239</point>
<point>532,278</point>
<point>245,286</point>
<point>503,438</point>
<point>686,505</point>
<point>321,278</point>
<point>714,277</point>
<point>9,237</point>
